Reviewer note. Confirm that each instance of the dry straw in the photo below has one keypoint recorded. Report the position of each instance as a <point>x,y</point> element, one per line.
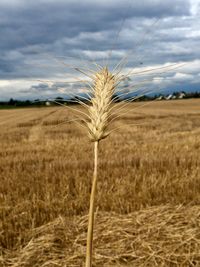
<point>157,236</point>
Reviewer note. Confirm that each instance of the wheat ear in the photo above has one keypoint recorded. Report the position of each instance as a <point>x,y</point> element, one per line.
<point>99,113</point>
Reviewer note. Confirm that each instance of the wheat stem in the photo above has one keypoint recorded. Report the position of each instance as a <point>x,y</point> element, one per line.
<point>99,110</point>
<point>91,210</point>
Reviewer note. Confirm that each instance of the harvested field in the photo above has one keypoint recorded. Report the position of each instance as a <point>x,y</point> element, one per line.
<point>148,191</point>
<point>157,236</point>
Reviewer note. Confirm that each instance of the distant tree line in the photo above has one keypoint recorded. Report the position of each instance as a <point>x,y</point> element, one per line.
<point>59,100</point>
<point>193,95</point>
<point>15,103</point>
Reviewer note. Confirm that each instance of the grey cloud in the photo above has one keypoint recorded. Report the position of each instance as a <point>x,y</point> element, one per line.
<point>33,34</point>
<point>56,87</point>
<point>39,87</point>
<point>43,22</point>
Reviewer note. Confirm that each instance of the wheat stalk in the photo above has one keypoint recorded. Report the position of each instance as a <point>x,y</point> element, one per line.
<point>104,84</point>
<point>97,121</point>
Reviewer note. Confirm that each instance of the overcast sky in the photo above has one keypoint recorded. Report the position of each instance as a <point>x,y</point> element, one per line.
<point>43,40</point>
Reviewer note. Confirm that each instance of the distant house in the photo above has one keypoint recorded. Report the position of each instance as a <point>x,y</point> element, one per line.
<point>160,97</point>
<point>169,97</point>
<point>181,95</point>
<point>47,103</point>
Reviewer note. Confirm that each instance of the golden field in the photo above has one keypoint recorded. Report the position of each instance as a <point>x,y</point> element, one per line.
<point>148,195</point>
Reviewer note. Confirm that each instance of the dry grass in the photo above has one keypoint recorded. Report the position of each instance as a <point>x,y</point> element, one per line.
<point>157,236</point>
<point>45,170</point>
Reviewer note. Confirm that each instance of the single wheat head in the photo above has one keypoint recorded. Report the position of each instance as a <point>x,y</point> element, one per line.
<point>99,110</point>
<point>104,84</point>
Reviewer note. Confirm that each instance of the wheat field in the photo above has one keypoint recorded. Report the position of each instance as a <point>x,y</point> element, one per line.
<point>148,192</point>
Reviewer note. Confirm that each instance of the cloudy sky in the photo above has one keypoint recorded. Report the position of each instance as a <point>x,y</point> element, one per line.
<point>42,41</point>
